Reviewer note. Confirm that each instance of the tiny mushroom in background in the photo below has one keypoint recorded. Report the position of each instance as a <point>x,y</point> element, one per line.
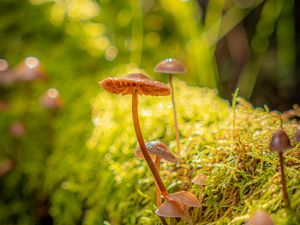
<point>172,66</point>
<point>200,180</point>
<point>5,166</point>
<point>280,142</point>
<point>160,151</point>
<point>297,134</point>
<point>183,200</point>
<point>6,77</point>
<point>29,70</point>
<point>51,99</point>
<point>17,129</point>
<point>260,218</point>
<point>139,84</point>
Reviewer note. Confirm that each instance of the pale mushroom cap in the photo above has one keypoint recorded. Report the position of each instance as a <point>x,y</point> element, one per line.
<point>170,66</point>
<point>186,198</point>
<point>260,218</point>
<point>30,69</point>
<point>135,82</point>
<point>201,179</point>
<point>159,149</point>
<point>170,208</point>
<point>280,141</point>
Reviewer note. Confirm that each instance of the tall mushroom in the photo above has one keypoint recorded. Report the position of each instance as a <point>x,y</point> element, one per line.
<point>280,142</point>
<point>139,84</point>
<point>172,66</point>
<point>160,151</point>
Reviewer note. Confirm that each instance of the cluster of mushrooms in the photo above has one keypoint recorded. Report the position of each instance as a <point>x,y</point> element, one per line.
<point>176,204</point>
<point>26,72</point>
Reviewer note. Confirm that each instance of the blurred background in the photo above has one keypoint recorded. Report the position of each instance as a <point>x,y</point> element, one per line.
<point>54,52</point>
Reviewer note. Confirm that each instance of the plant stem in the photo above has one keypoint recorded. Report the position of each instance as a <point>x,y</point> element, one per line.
<point>141,142</point>
<point>283,182</point>
<point>175,115</point>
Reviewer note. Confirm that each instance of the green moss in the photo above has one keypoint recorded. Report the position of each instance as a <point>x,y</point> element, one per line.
<point>242,173</point>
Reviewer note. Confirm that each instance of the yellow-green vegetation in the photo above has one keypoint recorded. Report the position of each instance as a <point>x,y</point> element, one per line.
<point>242,173</point>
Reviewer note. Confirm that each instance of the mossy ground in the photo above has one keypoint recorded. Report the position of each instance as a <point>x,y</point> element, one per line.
<point>243,174</point>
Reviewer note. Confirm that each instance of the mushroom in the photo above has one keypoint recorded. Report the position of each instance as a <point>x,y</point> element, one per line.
<point>51,99</point>
<point>184,199</point>
<point>30,69</point>
<point>260,218</point>
<point>6,77</point>
<point>17,129</point>
<point>160,151</point>
<point>200,180</point>
<point>172,66</point>
<point>139,84</point>
<point>280,142</point>
<point>297,134</point>
<point>5,166</point>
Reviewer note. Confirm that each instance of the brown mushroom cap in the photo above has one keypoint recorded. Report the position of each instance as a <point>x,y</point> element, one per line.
<point>201,179</point>
<point>260,218</point>
<point>159,149</point>
<point>170,208</point>
<point>280,141</point>
<point>135,82</point>
<point>170,66</point>
<point>185,198</point>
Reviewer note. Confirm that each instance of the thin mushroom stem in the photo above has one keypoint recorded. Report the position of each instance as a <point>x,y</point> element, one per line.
<point>157,164</point>
<point>283,182</point>
<point>141,142</point>
<point>188,216</point>
<point>175,115</point>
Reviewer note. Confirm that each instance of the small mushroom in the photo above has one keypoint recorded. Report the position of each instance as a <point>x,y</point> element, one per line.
<point>297,134</point>
<point>172,66</point>
<point>5,166</point>
<point>51,99</point>
<point>160,151</point>
<point>200,180</point>
<point>29,70</point>
<point>170,208</point>
<point>17,129</point>
<point>6,77</point>
<point>139,84</point>
<point>280,142</point>
<point>186,199</point>
<point>260,218</point>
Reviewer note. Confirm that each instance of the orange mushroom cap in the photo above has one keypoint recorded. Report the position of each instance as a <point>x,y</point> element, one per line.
<point>170,208</point>
<point>135,82</point>
<point>159,149</point>
<point>185,198</point>
<point>170,66</point>
<point>280,141</point>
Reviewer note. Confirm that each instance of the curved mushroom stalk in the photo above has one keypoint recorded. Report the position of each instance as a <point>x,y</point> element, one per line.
<point>141,142</point>
<point>158,193</point>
